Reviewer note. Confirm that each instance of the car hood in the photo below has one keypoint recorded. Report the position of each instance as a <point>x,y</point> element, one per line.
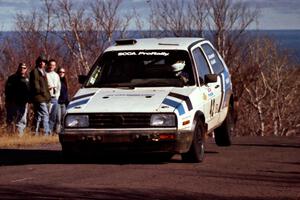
<point>138,100</point>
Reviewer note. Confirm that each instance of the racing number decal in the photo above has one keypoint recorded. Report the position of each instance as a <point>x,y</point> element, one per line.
<point>212,107</point>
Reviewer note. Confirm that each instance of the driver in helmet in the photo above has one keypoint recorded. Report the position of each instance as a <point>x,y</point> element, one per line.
<point>177,68</point>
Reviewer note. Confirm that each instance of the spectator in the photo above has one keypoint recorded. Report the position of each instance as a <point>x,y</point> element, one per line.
<point>16,100</point>
<point>63,99</point>
<point>54,88</point>
<point>40,95</point>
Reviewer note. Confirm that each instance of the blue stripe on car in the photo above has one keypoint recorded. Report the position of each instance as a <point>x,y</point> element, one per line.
<point>186,99</point>
<point>174,104</point>
<point>226,87</point>
<point>83,96</point>
<point>78,103</point>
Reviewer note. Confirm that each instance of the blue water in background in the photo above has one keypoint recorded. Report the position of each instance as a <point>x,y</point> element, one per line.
<point>285,39</point>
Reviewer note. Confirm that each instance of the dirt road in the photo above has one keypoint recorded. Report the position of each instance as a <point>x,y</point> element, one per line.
<point>252,168</point>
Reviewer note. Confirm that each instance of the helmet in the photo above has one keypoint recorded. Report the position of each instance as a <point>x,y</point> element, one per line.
<point>178,66</point>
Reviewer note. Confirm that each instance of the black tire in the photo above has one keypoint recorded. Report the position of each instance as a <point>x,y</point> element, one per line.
<point>196,151</point>
<point>68,152</point>
<point>225,131</point>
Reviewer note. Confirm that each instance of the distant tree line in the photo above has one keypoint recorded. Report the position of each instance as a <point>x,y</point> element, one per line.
<point>265,80</point>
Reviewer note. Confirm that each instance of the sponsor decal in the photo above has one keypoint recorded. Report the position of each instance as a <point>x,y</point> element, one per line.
<point>213,61</point>
<point>211,56</point>
<point>143,53</point>
<point>210,92</point>
<point>130,95</point>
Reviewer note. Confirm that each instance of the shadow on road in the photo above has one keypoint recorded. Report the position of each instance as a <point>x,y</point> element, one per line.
<point>29,156</point>
<point>281,172</point>
<point>289,163</point>
<point>10,157</point>
<point>52,192</point>
<point>270,145</point>
<point>276,178</point>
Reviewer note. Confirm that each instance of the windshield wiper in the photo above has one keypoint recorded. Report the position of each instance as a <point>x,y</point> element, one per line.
<point>117,85</point>
<point>158,83</point>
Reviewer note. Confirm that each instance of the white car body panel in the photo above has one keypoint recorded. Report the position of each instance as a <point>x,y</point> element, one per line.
<point>211,100</point>
<point>139,100</point>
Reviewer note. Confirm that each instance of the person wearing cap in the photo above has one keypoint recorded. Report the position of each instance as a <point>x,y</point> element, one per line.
<point>16,100</point>
<point>54,88</point>
<point>40,95</point>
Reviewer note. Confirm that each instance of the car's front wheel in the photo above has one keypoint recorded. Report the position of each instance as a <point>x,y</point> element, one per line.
<point>196,151</point>
<point>68,152</point>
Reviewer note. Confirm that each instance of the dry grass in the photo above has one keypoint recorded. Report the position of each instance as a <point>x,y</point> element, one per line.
<point>14,141</point>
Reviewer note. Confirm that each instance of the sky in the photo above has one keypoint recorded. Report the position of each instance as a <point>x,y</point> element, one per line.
<point>275,14</point>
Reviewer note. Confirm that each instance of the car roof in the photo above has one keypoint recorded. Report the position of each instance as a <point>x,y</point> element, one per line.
<point>168,43</point>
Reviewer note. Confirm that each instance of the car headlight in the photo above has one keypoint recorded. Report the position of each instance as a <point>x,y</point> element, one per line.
<point>76,121</point>
<point>163,120</point>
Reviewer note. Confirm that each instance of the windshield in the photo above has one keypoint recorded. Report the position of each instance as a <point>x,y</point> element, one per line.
<point>142,68</point>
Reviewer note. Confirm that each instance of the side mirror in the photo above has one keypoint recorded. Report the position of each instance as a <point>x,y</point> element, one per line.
<point>82,79</point>
<point>210,78</point>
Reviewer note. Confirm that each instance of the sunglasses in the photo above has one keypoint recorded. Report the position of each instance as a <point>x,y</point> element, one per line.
<point>61,72</point>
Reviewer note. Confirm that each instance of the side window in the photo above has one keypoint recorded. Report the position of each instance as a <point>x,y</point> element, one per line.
<point>214,59</point>
<point>201,63</point>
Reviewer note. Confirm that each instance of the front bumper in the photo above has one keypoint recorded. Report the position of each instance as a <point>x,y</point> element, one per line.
<point>129,140</point>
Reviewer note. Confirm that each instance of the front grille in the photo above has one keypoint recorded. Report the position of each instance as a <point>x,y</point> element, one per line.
<point>119,120</point>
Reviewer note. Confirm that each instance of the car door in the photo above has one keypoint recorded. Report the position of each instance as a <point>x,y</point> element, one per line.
<point>207,90</point>
<point>217,68</point>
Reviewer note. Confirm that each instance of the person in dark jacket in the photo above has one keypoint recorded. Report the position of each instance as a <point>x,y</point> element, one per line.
<point>40,95</point>
<point>16,100</point>
<point>63,99</point>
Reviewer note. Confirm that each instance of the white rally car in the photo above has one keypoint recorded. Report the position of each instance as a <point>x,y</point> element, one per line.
<point>156,95</point>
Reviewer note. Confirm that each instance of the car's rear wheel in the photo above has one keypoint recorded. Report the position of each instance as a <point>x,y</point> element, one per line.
<point>196,151</point>
<point>225,131</point>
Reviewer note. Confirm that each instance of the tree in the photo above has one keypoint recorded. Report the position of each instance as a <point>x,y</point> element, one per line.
<point>107,19</point>
<point>86,34</point>
<point>284,90</point>
<point>74,27</point>
<point>178,17</point>
<point>254,81</point>
<point>228,22</point>
<point>271,89</point>
<point>36,33</point>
